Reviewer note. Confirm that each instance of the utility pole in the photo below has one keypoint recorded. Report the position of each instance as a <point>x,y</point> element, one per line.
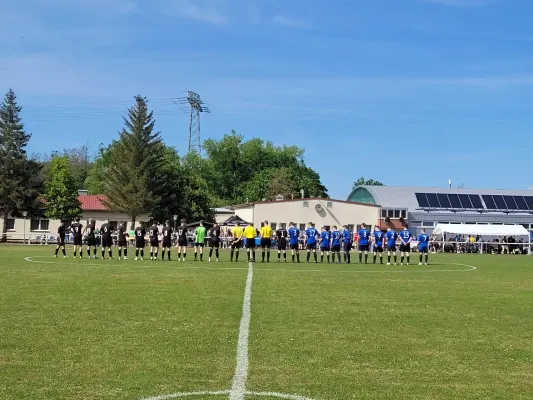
<point>195,107</point>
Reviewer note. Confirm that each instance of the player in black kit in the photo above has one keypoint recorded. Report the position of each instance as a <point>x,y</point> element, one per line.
<point>91,237</point>
<point>122,241</point>
<point>182,240</point>
<point>107,241</point>
<point>282,235</point>
<point>214,241</point>
<point>167,240</point>
<point>140,241</point>
<point>61,231</point>
<point>154,241</point>
<point>77,230</point>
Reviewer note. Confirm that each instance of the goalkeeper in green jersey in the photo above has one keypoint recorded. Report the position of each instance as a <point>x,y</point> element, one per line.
<point>199,239</point>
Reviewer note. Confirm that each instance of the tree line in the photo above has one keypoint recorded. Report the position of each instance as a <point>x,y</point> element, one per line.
<point>139,174</point>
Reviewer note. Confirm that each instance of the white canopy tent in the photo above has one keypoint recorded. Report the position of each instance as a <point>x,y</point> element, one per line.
<point>481,230</point>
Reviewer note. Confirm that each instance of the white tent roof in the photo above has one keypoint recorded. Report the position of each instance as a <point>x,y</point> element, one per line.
<point>482,230</point>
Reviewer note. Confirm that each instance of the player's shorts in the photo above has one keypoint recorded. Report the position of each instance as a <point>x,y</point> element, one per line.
<point>140,244</point>
<point>311,246</point>
<point>250,243</point>
<point>266,242</point>
<point>293,246</point>
<point>107,242</point>
<point>78,240</point>
<point>324,248</point>
<point>182,242</point>
<point>122,243</point>
<point>391,248</point>
<point>199,244</point>
<point>364,247</point>
<point>61,240</point>
<point>214,244</point>
<point>347,246</point>
<point>167,244</point>
<point>236,244</point>
<point>423,249</point>
<point>378,249</point>
<point>91,241</point>
<point>154,242</point>
<point>405,248</point>
<point>336,247</point>
<point>282,245</point>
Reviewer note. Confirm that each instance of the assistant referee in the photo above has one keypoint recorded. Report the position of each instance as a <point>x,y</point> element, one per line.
<point>249,234</point>
<point>266,240</point>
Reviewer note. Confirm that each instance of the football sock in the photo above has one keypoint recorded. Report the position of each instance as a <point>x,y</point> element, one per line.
<point>314,254</point>
<point>210,252</point>
<point>388,258</point>
<point>216,253</point>
<point>401,259</point>
<point>279,255</point>
<point>339,257</point>
<point>420,257</point>
<point>119,252</point>
<point>308,256</point>
<point>201,256</point>
<point>395,258</point>
<point>136,252</point>
<point>292,257</point>
<point>57,250</point>
<point>268,256</point>
<point>298,256</point>
<point>231,255</point>
<point>75,253</point>
<point>360,258</point>
<point>195,256</point>
<point>94,251</point>
<point>63,251</point>
<point>285,256</point>
<point>151,254</point>
<point>408,257</point>
<point>366,258</point>
<point>125,252</point>
<point>263,255</point>
<point>110,253</point>
<point>375,258</point>
<point>322,257</point>
<point>103,253</point>
<point>381,258</point>
<point>237,255</point>
<point>426,258</point>
<point>328,257</point>
<point>142,253</point>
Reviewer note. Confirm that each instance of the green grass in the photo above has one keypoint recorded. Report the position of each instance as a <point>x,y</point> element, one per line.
<point>102,329</point>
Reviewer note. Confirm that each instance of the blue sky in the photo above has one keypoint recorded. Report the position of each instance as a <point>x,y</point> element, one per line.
<point>409,92</point>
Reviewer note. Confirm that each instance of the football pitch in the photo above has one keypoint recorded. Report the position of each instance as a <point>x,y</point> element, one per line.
<point>460,328</point>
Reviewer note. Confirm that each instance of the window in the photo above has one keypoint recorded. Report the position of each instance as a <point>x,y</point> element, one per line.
<point>396,214</point>
<point>302,227</point>
<point>10,224</point>
<point>39,225</point>
<point>350,227</point>
<point>329,204</point>
<point>383,213</point>
<point>403,214</point>
<point>114,224</point>
<point>390,213</point>
<point>415,223</point>
<point>524,225</point>
<point>306,203</point>
<point>428,224</point>
<point>273,225</point>
<point>283,225</point>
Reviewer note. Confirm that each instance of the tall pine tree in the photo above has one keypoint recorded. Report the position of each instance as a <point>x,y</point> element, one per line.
<point>135,173</point>
<point>18,186</point>
<point>61,197</point>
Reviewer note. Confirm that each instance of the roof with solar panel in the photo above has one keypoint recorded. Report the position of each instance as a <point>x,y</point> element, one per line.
<point>446,199</point>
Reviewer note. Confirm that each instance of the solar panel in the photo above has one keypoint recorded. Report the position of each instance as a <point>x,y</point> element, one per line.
<point>529,201</point>
<point>465,201</point>
<point>433,201</point>
<point>520,202</point>
<point>500,203</point>
<point>444,200</point>
<point>454,200</point>
<point>511,204</point>
<point>476,200</point>
<point>489,202</point>
<point>422,200</point>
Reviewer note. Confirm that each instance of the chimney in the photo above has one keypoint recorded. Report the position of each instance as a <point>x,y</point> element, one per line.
<point>83,192</point>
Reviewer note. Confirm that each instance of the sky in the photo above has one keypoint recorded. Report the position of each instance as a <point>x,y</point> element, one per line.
<point>408,92</point>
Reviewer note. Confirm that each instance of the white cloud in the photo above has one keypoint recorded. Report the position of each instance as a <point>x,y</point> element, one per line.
<point>284,20</point>
<point>207,12</point>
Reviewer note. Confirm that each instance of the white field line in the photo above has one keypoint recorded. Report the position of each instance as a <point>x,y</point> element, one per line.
<point>278,395</point>
<point>177,266</point>
<point>238,388</point>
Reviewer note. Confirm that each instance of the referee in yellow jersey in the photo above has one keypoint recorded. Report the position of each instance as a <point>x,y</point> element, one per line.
<point>249,234</point>
<point>266,241</point>
<point>236,244</point>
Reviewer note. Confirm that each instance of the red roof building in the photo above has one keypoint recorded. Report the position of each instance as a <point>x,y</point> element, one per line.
<point>92,202</point>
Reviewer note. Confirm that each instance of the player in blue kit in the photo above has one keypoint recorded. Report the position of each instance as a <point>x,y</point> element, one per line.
<point>294,234</point>
<point>379,239</point>
<point>336,237</point>
<point>391,245</point>
<point>406,237</point>
<point>364,244</point>
<point>346,243</point>
<point>423,246</point>
<point>311,235</point>
<point>325,241</point>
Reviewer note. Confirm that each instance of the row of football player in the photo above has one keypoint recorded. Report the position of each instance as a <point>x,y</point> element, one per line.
<point>327,240</point>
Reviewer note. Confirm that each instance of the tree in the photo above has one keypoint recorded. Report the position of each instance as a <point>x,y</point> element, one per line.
<point>19,182</point>
<point>370,182</point>
<point>61,197</point>
<point>96,177</point>
<point>282,183</point>
<point>135,170</point>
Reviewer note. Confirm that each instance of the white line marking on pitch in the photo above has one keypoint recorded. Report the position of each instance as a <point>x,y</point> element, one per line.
<point>238,388</point>
<point>350,271</point>
<point>187,394</point>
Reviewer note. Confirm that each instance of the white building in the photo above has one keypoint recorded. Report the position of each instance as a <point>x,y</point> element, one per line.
<point>322,212</point>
